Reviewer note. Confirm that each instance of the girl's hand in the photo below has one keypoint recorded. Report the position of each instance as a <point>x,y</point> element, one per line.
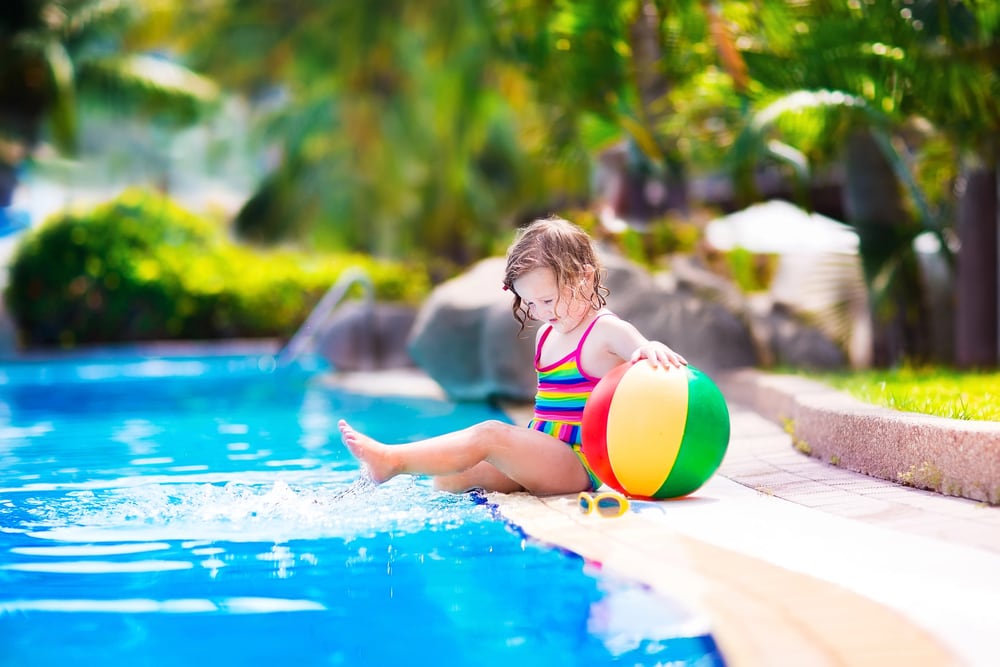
<point>658,354</point>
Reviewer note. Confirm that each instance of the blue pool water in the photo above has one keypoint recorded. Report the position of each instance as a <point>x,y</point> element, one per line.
<point>201,510</point>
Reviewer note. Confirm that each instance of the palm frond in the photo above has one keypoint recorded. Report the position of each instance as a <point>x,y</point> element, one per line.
<point>165,77</point>
<point>88,14</point>
<point>795,129</point>
<point>63,115</point>
<point>904,173</point>
<point>148,84</point>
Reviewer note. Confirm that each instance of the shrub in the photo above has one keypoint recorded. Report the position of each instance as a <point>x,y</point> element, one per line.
<point>142,268</point>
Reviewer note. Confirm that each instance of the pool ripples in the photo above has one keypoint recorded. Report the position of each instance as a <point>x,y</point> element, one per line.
<point>40,453</point>
<point>263,530</point>
<point>147,606</point>
<point>216,517</point>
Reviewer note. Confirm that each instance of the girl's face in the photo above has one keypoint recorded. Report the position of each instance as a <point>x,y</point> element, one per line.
<point>564,309</point>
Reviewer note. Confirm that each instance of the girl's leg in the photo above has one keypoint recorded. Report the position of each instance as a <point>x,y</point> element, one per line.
<point>483,475</point>
<point>535,461</point>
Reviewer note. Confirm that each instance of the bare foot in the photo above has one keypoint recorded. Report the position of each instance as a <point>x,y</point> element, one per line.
<point>373,455</point>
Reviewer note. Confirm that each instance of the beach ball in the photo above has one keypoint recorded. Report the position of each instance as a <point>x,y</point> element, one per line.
<point>655,432</point>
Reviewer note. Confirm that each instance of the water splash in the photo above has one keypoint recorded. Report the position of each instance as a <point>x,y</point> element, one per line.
<point>276,511</point>
<point>364,484</point>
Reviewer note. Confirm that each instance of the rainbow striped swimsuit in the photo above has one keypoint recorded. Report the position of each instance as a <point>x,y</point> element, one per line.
<point>563,390</point>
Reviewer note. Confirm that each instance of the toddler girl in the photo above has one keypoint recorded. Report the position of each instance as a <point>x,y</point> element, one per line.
<point>555,277</point>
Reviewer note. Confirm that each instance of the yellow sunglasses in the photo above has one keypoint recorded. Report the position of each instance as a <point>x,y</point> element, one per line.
<point>605,504</point>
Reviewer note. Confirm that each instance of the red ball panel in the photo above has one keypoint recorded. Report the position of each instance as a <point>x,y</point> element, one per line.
<point>594,427</point>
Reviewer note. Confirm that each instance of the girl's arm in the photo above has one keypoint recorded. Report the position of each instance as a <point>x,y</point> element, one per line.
<point>625,341</point>
<point>658,354</point>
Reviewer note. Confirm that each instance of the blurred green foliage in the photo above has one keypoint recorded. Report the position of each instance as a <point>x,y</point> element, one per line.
<point>433,127</point>
<point>56,56</point>
<point>752,272</point>
<point>427,129</point>
<point>142,268</point>
<point>660,238</point>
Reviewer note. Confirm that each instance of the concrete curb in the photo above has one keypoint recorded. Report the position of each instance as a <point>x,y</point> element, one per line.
<point>950,456</point>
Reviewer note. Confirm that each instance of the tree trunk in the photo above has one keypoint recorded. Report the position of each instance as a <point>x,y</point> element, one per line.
<point>976,291</point>
<point>653,87</point>
<point>874,206</point>
<point>8,183</point>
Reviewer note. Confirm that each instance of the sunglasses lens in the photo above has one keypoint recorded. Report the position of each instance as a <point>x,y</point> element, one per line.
<point>609,506</point>
<point>586,504</point>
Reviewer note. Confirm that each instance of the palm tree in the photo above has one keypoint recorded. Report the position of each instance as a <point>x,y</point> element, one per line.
<point>393,125</point>
<point>641,71</point>
<point>960,43</point>
<point>871,62</point>
<point>55,54</point>
<point>432,123</point>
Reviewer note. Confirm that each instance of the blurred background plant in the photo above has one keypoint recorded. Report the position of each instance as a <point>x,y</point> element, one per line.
<point>428,129</point>
<point>60,59</point>
<point>142,268</point>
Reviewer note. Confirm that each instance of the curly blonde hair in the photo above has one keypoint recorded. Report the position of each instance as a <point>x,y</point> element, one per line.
<point>560,245</point>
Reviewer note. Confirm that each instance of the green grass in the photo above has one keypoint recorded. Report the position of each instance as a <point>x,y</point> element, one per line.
<point>933,391</point>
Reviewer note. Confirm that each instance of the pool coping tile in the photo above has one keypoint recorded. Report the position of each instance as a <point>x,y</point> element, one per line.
<point>797,561</point>
<point>759,613</point>
<point>832,625</point>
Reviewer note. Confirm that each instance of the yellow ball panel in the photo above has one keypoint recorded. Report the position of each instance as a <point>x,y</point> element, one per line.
<point>646,423</point>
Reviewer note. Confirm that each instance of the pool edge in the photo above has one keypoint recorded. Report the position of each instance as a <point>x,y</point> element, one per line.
<point>759,613</point>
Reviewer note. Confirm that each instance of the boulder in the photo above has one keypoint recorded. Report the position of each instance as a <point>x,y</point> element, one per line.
<point>466,339</point>
<point>688,315</point>
<point>362,336</point>
<point>792,342</point>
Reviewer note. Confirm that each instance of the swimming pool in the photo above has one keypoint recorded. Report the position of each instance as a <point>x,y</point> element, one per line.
<point>181,509</point>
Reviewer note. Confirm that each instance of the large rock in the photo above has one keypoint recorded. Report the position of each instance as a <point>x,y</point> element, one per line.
<point>688,315</point>
<point>778,334</point>
<point>362,336</point>
<point>786,341</point>
<point>466,339</point>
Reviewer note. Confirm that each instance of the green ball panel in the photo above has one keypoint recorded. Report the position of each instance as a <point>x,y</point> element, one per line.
<point>706,438</point>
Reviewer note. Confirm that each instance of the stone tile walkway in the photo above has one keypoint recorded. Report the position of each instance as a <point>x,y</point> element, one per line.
<point>763,459</point>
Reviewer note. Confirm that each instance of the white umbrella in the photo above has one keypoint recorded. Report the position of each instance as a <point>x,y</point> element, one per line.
<point>779,227</point>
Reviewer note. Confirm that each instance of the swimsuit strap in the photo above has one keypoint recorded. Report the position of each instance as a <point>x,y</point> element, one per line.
<point>579,346</point>
<point>575,354</point>
<point>541,341</point>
